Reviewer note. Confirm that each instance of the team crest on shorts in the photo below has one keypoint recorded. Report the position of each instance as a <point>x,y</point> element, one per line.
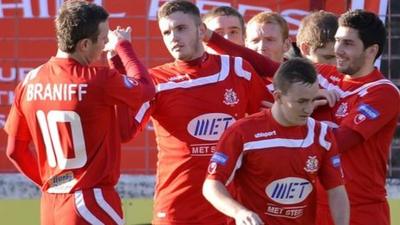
<point>230,97</point>
<point>311,164</point>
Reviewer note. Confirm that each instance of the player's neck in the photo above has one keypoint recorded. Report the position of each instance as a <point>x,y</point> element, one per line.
<point>278,116</point>
<point>364,71</point>
<point>79,58</point>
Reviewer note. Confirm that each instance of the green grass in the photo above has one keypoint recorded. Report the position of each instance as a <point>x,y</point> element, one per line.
<point>137,211</point>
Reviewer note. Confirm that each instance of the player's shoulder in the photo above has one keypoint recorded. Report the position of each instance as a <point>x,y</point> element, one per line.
<point>162,73</point>
<point>252,120</point>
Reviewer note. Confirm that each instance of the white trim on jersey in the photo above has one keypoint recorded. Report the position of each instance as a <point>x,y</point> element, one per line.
<point>237,166</point>
<point>361,91</point>
<point>142,111</point>
<point>98,195</point>
<point>220,76</point>
<point>324,143</point>
<point>239,69</point>
<point>84,211</point>
<point>284,142</point>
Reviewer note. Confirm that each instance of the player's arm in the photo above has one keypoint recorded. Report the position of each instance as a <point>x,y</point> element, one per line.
<point>264,66</point>
<point>339,205</point>
<point>23,159</point>
<point>347,138</point>
<point>217,194</point>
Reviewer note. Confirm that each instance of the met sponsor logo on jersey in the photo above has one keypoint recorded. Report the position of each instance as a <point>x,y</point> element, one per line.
<point>368,111</point>
<point>210,126</point>
<point>289,190</point>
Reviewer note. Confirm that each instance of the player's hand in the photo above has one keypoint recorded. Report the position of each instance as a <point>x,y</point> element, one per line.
<point>324,97</point>
<point>247,217</point>
<point>117,35</point>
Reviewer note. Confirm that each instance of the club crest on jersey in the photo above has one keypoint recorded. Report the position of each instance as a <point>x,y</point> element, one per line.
<point>212,168</point>
<point>311,164</point>
<point>230,97</point>
<point>342,110</point>
<point>359,118</point>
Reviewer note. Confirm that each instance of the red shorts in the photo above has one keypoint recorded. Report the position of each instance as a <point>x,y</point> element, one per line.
<point>84,207</point>
<point>367,214</point>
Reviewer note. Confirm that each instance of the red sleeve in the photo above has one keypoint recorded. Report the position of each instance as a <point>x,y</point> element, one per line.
<point>116,63</point>
<point>347,138</point>
<point>132,89</point>
<point>331,173</point>
<point>16,124</point>
<point>229,152</point>
<point>128,126</point>
<point>257,89</point>
<point>264,66</point>
<point>24,159</point>
<point>374,110</point>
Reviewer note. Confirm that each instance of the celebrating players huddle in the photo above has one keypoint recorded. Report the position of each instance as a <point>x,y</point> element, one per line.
<point>239,140</point>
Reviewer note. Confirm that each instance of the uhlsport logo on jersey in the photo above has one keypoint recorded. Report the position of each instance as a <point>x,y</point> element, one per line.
<point>289,190</point>
<point>210,126</point>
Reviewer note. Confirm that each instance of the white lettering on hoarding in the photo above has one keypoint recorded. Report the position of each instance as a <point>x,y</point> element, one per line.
<point>14,75</point>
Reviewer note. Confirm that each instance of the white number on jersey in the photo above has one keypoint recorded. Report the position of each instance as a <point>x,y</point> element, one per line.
<point>51,136</point>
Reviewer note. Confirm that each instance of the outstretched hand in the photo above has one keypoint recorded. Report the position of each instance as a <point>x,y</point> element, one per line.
<point>114,36</point>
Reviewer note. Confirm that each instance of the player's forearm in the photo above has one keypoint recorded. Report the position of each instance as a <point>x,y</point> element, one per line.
<point>264,66</point>
<point>134,68</point>
<point>128,126</point>
<point>339,205</point>
<point>23,159</point>
<point>216,193</point>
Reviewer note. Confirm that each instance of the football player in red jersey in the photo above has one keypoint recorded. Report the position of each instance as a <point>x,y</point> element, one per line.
<point>66,107</point>
<point>198,96</point>
<point>272,159</point>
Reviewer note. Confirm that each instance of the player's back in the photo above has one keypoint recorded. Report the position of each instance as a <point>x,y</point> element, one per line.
<point>72,123</point>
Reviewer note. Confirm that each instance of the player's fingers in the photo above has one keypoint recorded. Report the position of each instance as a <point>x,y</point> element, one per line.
<point>128,29</point>
<point>320,102</point>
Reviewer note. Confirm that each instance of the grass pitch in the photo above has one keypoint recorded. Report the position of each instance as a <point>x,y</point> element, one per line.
<point>137,211</point>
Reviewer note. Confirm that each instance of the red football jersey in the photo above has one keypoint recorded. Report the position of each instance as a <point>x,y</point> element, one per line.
<point>68,111</point>
<point>273,169</point>
<point>195,102</point>
<point>370,106</point>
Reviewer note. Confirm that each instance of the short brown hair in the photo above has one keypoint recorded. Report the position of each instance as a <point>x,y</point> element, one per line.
<point>224,11</point>
<point>317,29</point>
<point>179,6</point>
<point>273,18</point>
<point>78,20</point>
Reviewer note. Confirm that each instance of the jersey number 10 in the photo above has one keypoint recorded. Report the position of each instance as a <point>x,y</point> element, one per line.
<point>51,137</point>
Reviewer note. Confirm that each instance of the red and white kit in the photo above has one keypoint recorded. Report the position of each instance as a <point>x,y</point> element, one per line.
<point>195,102</point>
<point>68,111</point>
<point>272,170</point>
<point>369,106</point>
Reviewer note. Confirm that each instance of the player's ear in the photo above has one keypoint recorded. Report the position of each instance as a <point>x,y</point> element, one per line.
<point>287,44</point>
<point>277,95</point>
<point>305,49</point>
<point>83,44</point>
<point>202,30</point>
<point>373,50</point>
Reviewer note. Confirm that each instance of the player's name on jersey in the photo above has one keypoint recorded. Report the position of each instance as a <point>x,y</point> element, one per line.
<point>55,92</point>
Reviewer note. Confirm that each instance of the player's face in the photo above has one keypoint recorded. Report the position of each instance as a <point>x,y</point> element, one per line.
<point>227,26</point>
<point>323,55</point>
<point>298,103</point>
<point>182,36</point>
<point>96,48</point>
<point>349,50</point>
<point>267,40</point>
